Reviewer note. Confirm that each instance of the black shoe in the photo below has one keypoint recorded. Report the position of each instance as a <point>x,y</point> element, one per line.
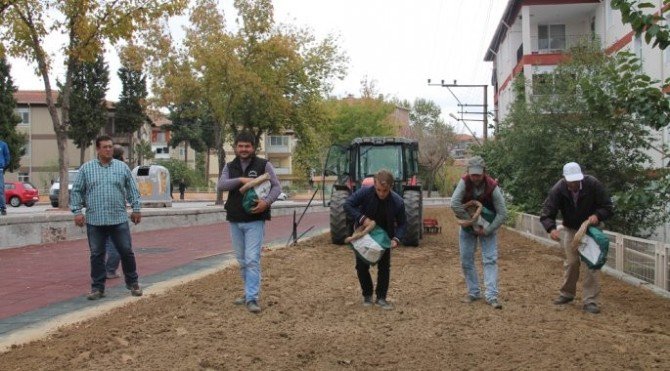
<point>495,304</point>
<point>253,307</point>
<point>3,212</point>
<point>135,289</point>
<point>95,295</point>
<point>384,304</point>
<point>591,308</point>
<point>367,301</point>
<point>563,300</point>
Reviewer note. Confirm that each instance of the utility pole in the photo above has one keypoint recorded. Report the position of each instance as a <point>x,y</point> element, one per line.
<point>484,120</point>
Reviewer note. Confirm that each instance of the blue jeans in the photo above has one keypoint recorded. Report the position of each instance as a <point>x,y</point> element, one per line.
<point>113,257</point>
<point>120,236</point>
<point>247,242</point>
<point>468,247</point>
<point>2,189</point>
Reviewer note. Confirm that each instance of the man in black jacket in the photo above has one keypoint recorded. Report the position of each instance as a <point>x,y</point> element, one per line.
<point>578,197</point>
<point>387,209</point>
<point>247,230</point>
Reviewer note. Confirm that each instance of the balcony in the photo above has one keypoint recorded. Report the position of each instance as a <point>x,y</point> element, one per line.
<point>558,44</point>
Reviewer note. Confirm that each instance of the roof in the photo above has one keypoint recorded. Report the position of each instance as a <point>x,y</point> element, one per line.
<point>465,138</point>
<point>158,118</point>
<point>34,96</point>
<point>507,19</point>
<point>39,97</point>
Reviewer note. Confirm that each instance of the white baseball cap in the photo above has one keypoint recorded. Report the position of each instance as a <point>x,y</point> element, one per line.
<point>572,172</point>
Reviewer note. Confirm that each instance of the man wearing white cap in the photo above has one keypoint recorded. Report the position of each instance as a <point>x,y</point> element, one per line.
<point>476,185</point>
<point>578,197</point>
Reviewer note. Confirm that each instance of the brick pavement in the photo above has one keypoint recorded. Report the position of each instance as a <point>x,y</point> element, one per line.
<point>37,277</point>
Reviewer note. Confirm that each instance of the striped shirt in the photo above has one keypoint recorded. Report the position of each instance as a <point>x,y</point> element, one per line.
<point>105,190</point>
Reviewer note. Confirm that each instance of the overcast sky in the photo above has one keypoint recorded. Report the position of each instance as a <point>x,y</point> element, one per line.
<point>397,44</point>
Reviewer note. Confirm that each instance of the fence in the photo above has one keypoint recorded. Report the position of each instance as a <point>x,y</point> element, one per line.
<point>645,260</point>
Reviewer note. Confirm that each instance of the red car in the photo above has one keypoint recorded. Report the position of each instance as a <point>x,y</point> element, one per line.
<point>17,193</point>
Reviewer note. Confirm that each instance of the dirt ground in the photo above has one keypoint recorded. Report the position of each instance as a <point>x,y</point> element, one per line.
<point>313,319</point>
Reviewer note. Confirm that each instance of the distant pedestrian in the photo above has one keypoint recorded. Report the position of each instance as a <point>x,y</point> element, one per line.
<point>182,188</point>
<point>387,209</point>
<point>104,185</point>
<point>477,185</point>
<point>247,229</point>
<point>579,198</point>
<point>113,257</point>
<point>4,165</point>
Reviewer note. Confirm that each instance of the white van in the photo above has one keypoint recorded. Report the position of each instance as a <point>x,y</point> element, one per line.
<point>54,191</point>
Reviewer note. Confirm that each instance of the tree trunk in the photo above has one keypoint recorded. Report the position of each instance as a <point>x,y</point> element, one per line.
<point>82,155</point>
<point>221,156</point>
<point>207,168</point>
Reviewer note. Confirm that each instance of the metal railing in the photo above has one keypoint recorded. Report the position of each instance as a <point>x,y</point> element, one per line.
<point>643,259</point>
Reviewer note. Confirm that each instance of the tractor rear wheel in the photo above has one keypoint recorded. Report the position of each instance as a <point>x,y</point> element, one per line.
<point>413,212</point>
<point>339,226</point>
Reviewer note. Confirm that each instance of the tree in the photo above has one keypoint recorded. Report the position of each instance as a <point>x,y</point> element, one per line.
<point>263,78</point>
<point>436,139</point>
<point>596,110</point>
<point>88,24</point>
<point>131,109</point>
<point>8,118</point>
<point>352,118</point>
<point>88,112</point>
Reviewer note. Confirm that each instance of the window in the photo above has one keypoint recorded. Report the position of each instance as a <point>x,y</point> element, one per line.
<point>24,178</point>
<point>24,113</point>
<point>27,149</point>
<point>181,152</point>
<point>160,137</point>
<point>551,37</point>
<point>277,140</point>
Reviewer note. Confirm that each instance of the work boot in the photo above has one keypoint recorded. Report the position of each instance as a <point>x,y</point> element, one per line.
<point>563,300</point>
<point>135,289</point>
<point>95,295</point>
<point>384,304</point>
<point>367,301</point>
<point>591,308</point>
<point>253,307</point>
<point>495,304</point>
<point>3,212</point>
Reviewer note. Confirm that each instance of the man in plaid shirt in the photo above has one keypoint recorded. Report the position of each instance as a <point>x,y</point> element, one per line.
<point>103,186</point>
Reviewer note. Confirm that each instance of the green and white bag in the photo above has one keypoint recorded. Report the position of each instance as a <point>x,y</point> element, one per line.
<point>252,195</point>
<point>371,246</point>
<point>593,248</point>
<point>485,218</point>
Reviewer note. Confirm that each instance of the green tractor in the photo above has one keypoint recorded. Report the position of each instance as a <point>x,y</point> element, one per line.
<point>354,166</point>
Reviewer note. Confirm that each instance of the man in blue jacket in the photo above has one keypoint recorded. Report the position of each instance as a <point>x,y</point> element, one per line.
<point>4,164</point>
<point>387,209</point>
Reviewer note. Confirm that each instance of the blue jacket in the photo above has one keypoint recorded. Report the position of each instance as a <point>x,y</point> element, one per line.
<point>364,203</point>
<point>4,155</point>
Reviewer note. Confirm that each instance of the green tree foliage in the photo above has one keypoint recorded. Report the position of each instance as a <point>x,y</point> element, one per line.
<point>364,117</point>
<point>88,110</point>
<point>636,13</point>
<point>9,119</point>
<point>594,110</point>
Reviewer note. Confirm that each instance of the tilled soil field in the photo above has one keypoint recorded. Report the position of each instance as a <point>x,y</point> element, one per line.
<point>313,319</point>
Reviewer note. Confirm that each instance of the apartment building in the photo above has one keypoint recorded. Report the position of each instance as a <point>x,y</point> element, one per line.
<point>533,35</point>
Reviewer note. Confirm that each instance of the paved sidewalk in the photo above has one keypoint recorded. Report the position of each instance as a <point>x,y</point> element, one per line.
<point>41,282</point>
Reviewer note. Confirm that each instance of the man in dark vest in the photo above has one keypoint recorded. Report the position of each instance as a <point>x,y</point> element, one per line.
<point>479,186</point>
<point>247,229</point>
